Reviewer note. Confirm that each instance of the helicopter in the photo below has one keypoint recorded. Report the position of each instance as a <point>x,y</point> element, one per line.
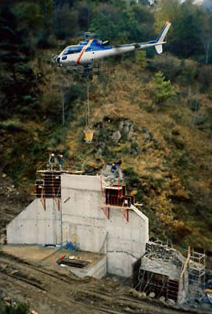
<point>90,50</point>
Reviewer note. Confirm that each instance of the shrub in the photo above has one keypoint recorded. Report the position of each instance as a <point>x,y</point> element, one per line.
<point>13,126</point>
<point>13,308</point>
<point>126,150</point>
<point>131,177</point>
<point>200,120</point>
<point>162,89</point>
<point>169,65</point>
<point>140,58</point>
<point>205,75</point>
<point>189,72</point>
<point>194,103</point>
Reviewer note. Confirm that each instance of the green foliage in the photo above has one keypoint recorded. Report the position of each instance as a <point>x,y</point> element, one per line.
<point>205,76</point>
<point>13,308</point>
<point>76,91</point>
<point>105,26</point>
<point>12,126</point>
<point>37,15</point>
<point>31,15</point>
<point>57,138</point>
<point>65,22</point>
<point>134,145</point>
<point>169,65</point>
<point>140,58</point>
<point>200,121</point>
<point>131,177</point>
<point>162,89</point>
<point>194,103</point>
<point>16,52</point>
<point>122,23</point>
<point>126,150</point>
<point>189,72</point>
<point>188,26</point>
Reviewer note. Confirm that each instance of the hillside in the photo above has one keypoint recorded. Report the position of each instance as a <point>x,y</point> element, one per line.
<point>165,148</point>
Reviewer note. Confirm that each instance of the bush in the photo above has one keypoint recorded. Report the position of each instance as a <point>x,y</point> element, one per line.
<point>170,66</point>
<point>131,177</point>
<point>194,104</point>
<point>205,75</point>
<point>12,127</point>
<point>200,120</point>
<point>189,72</point>
<point>13,308</point>
<point>46,42</point>
<point>140,58</point>
<point>162,89</point>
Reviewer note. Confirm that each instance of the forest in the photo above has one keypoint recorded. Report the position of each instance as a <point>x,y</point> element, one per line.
<point>160,105</point>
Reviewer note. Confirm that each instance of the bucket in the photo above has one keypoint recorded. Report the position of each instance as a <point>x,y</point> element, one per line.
<point>88,136</point>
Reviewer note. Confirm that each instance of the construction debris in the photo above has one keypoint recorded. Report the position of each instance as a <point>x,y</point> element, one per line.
<point>72,261</point>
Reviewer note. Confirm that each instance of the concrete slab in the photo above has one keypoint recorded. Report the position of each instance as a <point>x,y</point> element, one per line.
<point>29,252</point>
<point>48,256</point>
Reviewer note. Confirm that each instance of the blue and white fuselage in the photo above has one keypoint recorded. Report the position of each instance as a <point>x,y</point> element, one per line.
<point>90,50</point>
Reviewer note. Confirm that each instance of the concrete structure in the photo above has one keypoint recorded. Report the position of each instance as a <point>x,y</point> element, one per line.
<point>78,217</point>
<point>163,271</point>
<point>34,225</point>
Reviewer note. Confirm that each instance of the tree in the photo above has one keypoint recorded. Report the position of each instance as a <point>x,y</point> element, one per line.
<point>104,26</point>
<point>185,34</point>
<point>162,89</point>
<point>37,15</point>
<point>15,53</point>
<point>206,36</point>
<point>140,58</point>
<point>65,21</point>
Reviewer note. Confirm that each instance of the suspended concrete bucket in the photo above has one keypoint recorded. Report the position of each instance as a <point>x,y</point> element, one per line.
<point>88,136</point>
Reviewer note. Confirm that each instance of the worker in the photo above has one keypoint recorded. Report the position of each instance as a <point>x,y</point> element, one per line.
<point>60,161</point>
<point>51,161</point>
<point>113,168</point>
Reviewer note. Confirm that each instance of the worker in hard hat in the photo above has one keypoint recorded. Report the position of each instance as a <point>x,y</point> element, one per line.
<point>113,167</point>
<point>51,161</point>
<point>60,160</point>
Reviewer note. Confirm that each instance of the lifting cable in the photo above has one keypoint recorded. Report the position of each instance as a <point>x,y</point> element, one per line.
<point>88,130</point>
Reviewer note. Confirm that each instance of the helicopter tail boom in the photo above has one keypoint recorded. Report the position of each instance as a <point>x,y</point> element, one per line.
<point>160,40</point>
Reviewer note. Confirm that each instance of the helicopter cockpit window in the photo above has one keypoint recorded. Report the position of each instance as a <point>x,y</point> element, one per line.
<point>72,50</point>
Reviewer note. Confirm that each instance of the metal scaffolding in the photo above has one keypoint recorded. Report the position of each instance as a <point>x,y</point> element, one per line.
<point>196,268</point>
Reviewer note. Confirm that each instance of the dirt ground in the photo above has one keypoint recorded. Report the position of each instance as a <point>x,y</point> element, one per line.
<point>50,289</point>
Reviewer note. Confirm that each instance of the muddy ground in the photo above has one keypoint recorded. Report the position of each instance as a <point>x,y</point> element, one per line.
<point>51,290</point>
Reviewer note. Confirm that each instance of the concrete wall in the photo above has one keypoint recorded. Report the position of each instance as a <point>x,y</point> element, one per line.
<point>84,224</point>
<point>87,227</point>
<point>34,225</point>
<point>169,269</point>
<point>161,267</point>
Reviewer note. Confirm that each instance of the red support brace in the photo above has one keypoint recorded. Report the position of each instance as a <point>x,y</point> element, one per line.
<point>67,200</point>
<point>125,212</point>
<point>43,201</point>
<point>106,211</point>
<point>57,203</point>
